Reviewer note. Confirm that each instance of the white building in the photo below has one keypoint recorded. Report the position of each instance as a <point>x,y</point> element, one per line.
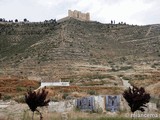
<point>43,84</point>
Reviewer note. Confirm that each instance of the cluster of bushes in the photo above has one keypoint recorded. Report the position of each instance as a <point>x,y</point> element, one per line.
<point>25,20</point>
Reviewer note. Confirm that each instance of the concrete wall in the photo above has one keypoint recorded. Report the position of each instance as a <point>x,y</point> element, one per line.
<point>99,104</point>
<point>70,105</point>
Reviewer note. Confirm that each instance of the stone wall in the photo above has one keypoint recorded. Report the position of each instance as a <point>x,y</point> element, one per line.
<point>62,106</point>
<point>79,15</point>
<point>99,105</point>
<point>76,15</point>
<point>71,105</point>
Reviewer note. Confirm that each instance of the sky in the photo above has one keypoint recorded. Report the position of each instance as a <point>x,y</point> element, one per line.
<point>137,12</point>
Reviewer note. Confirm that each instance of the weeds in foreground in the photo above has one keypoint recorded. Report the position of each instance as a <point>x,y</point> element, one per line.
<point>36,99</point>
<point>79,116</point>
<point>137,98</point>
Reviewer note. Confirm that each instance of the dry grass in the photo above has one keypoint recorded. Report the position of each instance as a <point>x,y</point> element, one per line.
<point>77,115</point>
<point>16,86</point>
<point>81,91</point>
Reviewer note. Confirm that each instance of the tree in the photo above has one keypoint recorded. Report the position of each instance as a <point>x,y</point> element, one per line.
<point>36,99</point>
<point>111,22</point>
<point>16,20</point>
<point>3,20</point>
<point>136,98</point>
<point>25,20</point>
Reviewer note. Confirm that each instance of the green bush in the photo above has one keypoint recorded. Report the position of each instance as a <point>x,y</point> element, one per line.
<point>126,78</point>
<point>6,97</point>
<point>20,89</point>
<point>92,92</point>
<point>126,67</point>
<point>20,99</point>
<point>65,95</point>
<point>72,80</point>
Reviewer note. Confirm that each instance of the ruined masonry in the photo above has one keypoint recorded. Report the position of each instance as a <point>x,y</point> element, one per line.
<point>76,15</point>
<point>79,15</point>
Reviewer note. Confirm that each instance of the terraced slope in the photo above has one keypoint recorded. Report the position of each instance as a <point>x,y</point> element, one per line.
<point>53,51</point>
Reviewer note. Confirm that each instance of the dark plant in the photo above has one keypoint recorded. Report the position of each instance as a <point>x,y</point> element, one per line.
<point>111,22</point>
<point>92,92</point>
<point>16,20</point>
<point>25,20</point>
<point>136,98</point>
<point>36,99</point>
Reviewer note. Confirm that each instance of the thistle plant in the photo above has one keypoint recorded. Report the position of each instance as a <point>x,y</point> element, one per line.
<point>36,99</point>
<point>137,98</point>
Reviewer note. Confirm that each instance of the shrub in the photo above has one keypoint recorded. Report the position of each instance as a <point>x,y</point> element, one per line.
<point>36,99</point>
<point>136,98</point>
<point>92,92</point>
<point>126,78</point>
<point>6,97</point>
<point>126,67</point>
<point>71,80</point>
<point>65,95</point>
<point>20,89</point>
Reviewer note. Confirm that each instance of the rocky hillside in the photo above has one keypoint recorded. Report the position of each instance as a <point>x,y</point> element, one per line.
<point>75,49</point>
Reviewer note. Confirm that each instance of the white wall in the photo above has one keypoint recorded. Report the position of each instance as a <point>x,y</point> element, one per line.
<point>43,84</point>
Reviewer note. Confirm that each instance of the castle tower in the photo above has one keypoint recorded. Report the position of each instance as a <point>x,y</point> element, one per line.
<point>70,13</point>
<point>76,15</point>
<point>79,15</point>
<point>87,16</point>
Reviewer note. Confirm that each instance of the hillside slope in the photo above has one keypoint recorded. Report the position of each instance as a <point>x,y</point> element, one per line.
<point>53,51</point>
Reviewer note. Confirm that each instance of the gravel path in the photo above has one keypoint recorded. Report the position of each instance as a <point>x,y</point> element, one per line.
<point>126,84</point>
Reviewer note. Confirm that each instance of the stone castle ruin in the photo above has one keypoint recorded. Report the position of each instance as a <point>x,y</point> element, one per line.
<point>71,14</point>
<point>79,15</point>
<point>76,15</point>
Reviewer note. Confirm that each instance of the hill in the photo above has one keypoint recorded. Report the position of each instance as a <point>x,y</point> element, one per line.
<point>96,58</point>
<point>74,49</point>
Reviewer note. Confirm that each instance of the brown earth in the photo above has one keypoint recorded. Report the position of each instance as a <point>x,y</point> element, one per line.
<point>84,53</point>
<point>13,86</point>
<point>52,51</point>
<point>70,92</point>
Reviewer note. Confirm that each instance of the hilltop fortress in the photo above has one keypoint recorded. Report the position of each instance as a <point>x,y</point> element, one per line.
<point>71,14</point>
<point>79,15</point>
<point>76,15</point>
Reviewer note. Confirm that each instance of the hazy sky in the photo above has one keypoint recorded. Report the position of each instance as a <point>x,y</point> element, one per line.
<point>139,12</point>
